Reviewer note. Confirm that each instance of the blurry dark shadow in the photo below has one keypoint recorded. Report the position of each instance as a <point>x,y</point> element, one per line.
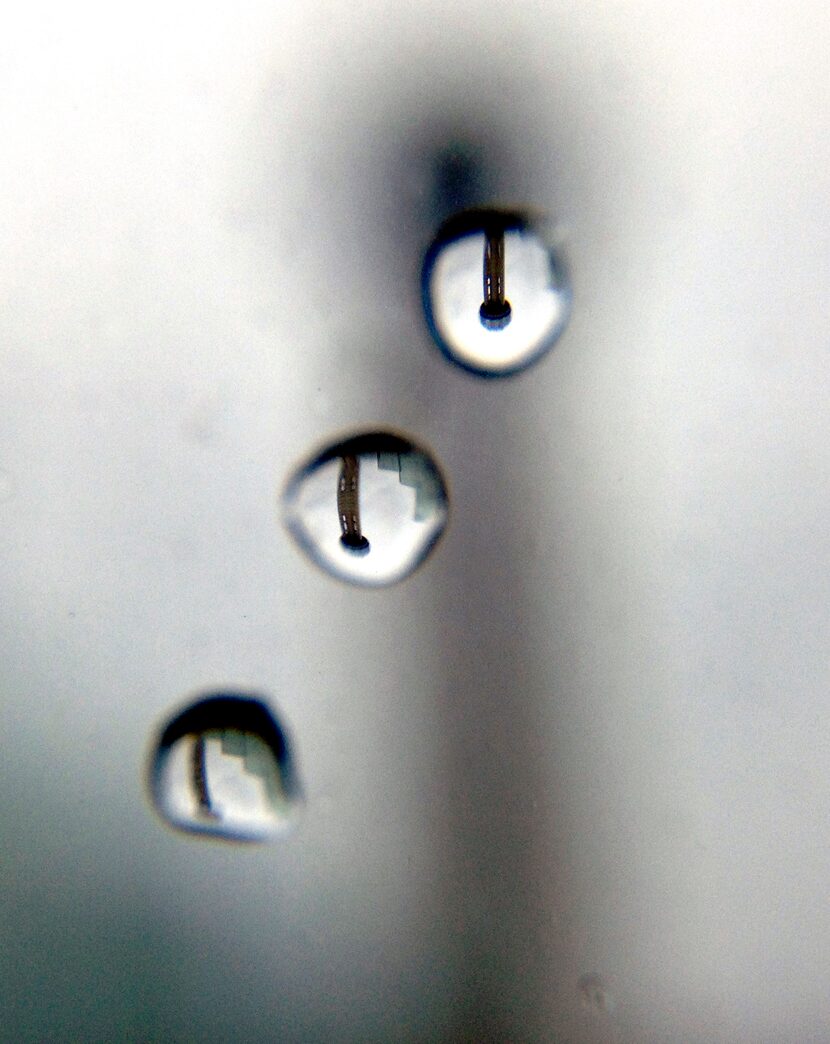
<point>502,871</point>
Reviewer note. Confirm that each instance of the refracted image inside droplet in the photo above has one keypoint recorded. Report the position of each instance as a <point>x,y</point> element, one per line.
<point>368,510</point>
<point>223,768</point>
<point>495,295</point>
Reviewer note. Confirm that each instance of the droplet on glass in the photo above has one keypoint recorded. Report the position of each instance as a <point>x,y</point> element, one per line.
<point>369,509</point>
<point>495,294</point>
<point>594,993</point>
<point>223,768</point>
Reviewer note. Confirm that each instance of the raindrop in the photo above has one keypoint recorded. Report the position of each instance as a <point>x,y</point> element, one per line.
<point>223,768</point>
<point>495,294</point>
<point>368,510</point>
<point>594,993</point>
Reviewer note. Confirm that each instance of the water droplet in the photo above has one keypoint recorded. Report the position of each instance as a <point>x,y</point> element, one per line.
<point>368,510</point>
<point>495,294</point>
<point>594,993</point>
<point>223,768</point>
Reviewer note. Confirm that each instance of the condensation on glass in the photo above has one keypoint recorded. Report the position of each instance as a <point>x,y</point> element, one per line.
<point>496,295</point>
<point>223,767</point>
<point>368,509</point>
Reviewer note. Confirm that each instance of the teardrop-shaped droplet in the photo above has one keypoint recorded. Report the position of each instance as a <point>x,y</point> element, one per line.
<point>495,294</point>
<point>368,510</point>
<point>223,767</point>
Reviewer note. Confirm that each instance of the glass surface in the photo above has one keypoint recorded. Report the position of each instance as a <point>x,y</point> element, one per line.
<point>590,734</point>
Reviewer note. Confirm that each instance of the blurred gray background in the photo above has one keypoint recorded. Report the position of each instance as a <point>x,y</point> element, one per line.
<point>590,735</point>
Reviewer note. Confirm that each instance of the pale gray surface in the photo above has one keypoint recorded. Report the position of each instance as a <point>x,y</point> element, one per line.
<point>590,735</point>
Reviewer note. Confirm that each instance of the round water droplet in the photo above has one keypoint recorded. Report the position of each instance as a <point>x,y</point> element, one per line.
<point>594,993</point>
<point>368,510</point>
<point>223,768</point>
<point>496,297</point>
